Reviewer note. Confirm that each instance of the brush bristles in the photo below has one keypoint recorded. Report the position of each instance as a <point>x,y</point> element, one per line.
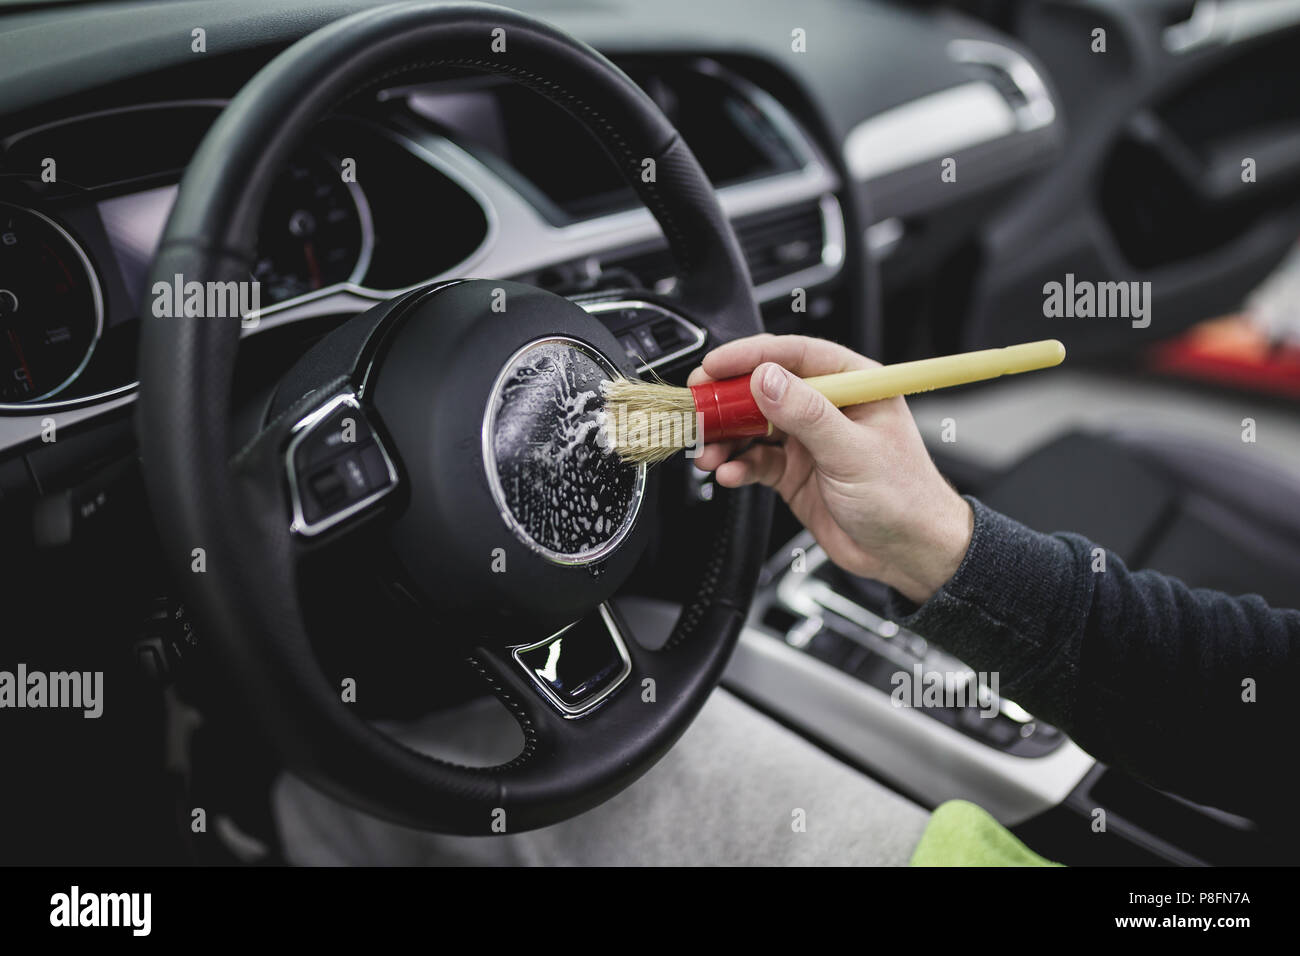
<point>647,421</point>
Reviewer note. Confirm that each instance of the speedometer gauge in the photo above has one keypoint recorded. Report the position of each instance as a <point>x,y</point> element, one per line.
<point>51,308</point>
<point>315,231</point>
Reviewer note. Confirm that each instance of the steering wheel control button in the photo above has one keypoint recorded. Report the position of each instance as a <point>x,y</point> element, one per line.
<point>646,342</point>
<point>337,466</point>
<point>630,345</point>
<point>354,475</point>
<point>650,334</point>
<point>327,490</point>
<point>557,489</point>
<point>580,666</point>
<point>329,440</point>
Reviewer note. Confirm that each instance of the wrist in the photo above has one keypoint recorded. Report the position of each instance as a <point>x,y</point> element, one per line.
<point>936,548</point>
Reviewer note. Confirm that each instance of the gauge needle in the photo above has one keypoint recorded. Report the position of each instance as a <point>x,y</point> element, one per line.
<point>18,350</point>
<point>309,252</point>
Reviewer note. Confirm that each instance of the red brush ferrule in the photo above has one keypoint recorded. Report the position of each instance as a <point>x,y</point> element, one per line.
<point>727,410</point>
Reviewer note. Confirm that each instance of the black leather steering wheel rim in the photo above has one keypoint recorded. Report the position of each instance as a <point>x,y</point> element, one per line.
<point>224,529</point>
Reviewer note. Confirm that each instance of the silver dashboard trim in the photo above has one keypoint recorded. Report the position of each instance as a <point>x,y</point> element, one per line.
<point>936,125</point>
<point>1038,110</point>
<point>1224,22</point>
<point>1196,31</point>
<point>20,429</point>
<point>367,220</point>
<point>532,243</point>
<point>927,128</point>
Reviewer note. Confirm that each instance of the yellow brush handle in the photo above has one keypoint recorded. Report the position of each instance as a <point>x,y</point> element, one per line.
<point>908,378</point>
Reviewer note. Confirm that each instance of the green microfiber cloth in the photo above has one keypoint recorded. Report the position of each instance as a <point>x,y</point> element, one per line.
<point>961,834</point>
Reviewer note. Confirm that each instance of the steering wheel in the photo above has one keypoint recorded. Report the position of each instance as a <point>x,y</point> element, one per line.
<point>454,423</point>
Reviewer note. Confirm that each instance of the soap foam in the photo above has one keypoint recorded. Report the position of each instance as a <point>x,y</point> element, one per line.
<point>560,483</point>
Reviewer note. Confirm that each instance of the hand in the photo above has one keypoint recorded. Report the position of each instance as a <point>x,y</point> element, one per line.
<point>860,478</point>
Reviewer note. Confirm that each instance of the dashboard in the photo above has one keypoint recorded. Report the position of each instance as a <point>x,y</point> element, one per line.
<point>454,175</point>
<point>435,180</point>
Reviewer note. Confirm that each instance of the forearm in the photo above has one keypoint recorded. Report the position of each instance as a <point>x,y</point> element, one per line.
<point>1143,672</point>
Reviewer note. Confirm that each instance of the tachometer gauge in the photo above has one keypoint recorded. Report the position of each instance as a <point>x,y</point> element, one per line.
<point>315,232</point>
<point>51,307</point>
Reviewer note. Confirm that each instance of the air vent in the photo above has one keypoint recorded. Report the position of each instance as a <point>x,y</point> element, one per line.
<point>782,242</point>
<point>776,244</point>
<point>648,269</point>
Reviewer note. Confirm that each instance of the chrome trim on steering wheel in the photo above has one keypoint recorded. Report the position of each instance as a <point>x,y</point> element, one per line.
<point>696,334</point>
<point>570,711</point>
<point>490,468</point>
<point>305,427</point>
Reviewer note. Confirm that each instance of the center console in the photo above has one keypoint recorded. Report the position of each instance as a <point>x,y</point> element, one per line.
<point>819,651</point>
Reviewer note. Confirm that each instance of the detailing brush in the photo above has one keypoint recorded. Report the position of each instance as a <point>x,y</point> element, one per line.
<point>651,421</point>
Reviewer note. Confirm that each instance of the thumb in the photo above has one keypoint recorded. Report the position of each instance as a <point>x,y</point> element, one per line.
<point>802,412</point>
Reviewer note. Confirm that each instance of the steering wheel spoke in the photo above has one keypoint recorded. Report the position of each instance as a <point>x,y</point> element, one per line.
<point>337,466</point>
<point>576,669</point>
<point>332,463</point>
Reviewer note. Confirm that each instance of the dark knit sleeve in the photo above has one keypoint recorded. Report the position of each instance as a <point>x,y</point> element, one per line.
<point>1189,689</point>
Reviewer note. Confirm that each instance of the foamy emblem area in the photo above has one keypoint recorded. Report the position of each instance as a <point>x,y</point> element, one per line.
<point>562,489</point>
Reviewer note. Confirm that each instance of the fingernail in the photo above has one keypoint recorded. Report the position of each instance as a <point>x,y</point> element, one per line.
<point>774,382</point>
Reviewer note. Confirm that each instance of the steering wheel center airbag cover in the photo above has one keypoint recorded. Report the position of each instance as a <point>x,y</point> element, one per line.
<point>559,491</point>
<point>514,509</point>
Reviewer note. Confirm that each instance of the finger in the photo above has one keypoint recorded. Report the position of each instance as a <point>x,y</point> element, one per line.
<point>800,354</point>
<point>714,454</point>
<point>805,414</point>
<point>697,376</point>
<point>731,474</point>
<point>760,464</point>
